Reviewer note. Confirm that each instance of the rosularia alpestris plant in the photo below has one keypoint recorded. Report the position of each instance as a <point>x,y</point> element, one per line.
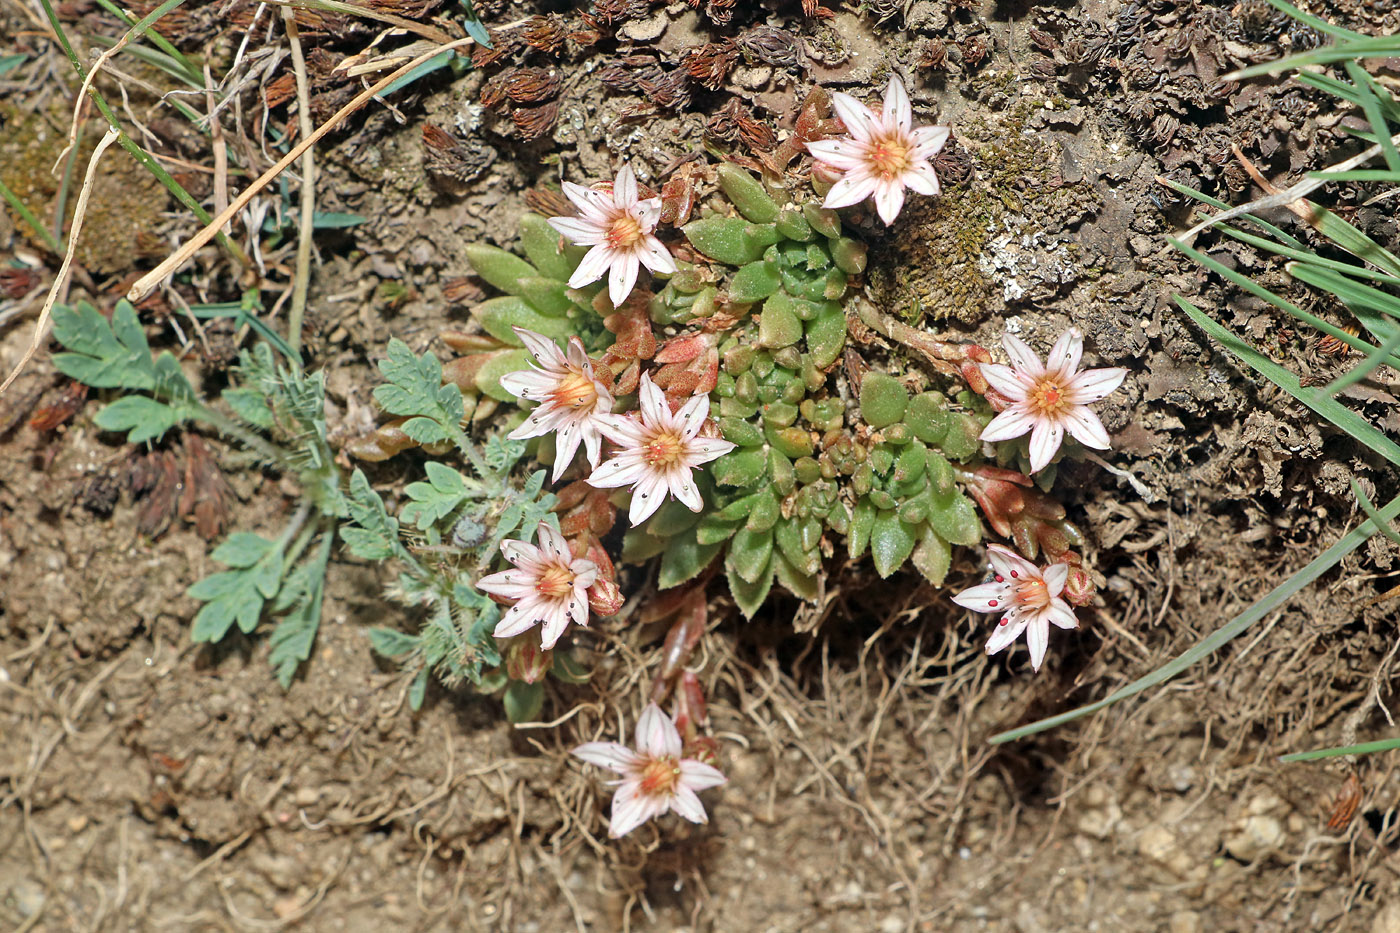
<point>743,409</point>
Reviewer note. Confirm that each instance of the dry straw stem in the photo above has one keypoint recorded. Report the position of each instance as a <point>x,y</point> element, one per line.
<point>147,282</point>
<point>1286,197</point>
<point>308,187</point>
<point>60,281</point>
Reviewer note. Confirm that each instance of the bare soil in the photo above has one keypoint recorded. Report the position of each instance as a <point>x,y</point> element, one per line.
<point>150,784</point>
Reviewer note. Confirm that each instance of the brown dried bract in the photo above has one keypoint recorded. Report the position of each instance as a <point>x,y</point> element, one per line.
<point>671,90</point>
<point>611,12</point>
<point>626,73</point>
<point>502,44</point>
<point>770,45</point>
<point>548,202</point>
<point>69,402</point>
<point>462,290</point>
<point>534,122</point>
<point>522,85</point>
<point>1348,801</point>
<point>16,283</point>
<point>711,63</point>
<point>206,493</point>
<point>548,33</point>
<point>933,55</point>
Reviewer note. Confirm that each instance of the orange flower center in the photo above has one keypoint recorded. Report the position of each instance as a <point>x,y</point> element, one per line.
<point>659,776</point>
<point>556,582</point>
<point>890,157</point>
<point>1032,593</point>
<point>1048,397</point>
<point>624,232</point>
<point>664,449</point>
<point>574,390</point>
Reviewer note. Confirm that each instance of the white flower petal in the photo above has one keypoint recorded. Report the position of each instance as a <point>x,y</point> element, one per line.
<point>1037,639</point>
<point>897,111</point>
<point>646,499</point>
<point>920,178</point>
<point>625,188</point>
<point>610,755</point>
<point>1009,382</point>
<point>521,617</point>
<point>699,776</point>
<point>853,189</point>
<point>587,202</point>
<point>580,231</point>
<point>1007,563</point>
<point>654,255</point>
<point>554,625</point>
<point>1046,437</point>
<point>889,200</point>
<point>684,489</point>
<point>1009,424</point>
<point>656,734</point>
<point>623,277</point>
<point>841,154</point>
<point>930,140</point>
<point>860,123</point>
<point>1093,384</point>
<point>1066,353</point>
<point>1055,576</point>
<point>1022,356</point>
<point>594,265</point>
<point>692,415</point>
<point>1086,428</point>
<point>705,449</point>
<point>629,810</point>
<point>614,474</point>
<point>685,803</point>
<point>1060,614</point>
<point>986,597</point>
<point>652,401</point>
<point>1005,633</point>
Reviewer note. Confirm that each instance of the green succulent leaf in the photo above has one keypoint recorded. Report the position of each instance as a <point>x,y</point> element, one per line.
<point>755,282</point>
<point>750,596</point>
<point>499,315</point>
<point>933,556</point>
<point>523,702</point>
<point>802,585</point>
<point>891,542</point>
<point>729,240</point>
<point>499,267</point>
<point>883,399</point>
<point>541,243</point>
<point>747,194</point>
<point>684,558</point>
<point>488,377</point>
<point>749,554</point>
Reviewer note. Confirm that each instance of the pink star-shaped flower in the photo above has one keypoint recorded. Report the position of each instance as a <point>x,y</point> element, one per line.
<point>655,778</point>
<point>658,450</point>
<point>618,225</point>
<point>1028,598</point>
<point>572,400</point>
<point>1048,400</point>
<point>884,154</point>
<point>548,586</point>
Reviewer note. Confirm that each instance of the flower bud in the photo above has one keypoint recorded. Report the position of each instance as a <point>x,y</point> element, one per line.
<point>1079,588</point>
<point>525,660</point>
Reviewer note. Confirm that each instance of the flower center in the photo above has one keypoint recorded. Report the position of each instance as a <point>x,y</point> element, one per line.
<point>663,449</point>
<point>624,232</point>
<point>889,157</point>
<point>556,582</point>
<point>1031,593</point>
<point>574,390</point>
<point>659,776</point>
<point>1048,398</point>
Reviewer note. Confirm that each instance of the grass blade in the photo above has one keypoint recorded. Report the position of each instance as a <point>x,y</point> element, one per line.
<point>1364,748</point>
<point>1254,288</point>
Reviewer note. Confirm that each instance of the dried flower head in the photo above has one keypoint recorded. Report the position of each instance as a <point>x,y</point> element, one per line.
<point>618,226</point>
<point>548,585</point>
<point>659,451</point>
<point>655,778</point>
<point>1049,399</point>
<point>884,154</point>
<point>1028,598</point>
<point>573,402</point>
